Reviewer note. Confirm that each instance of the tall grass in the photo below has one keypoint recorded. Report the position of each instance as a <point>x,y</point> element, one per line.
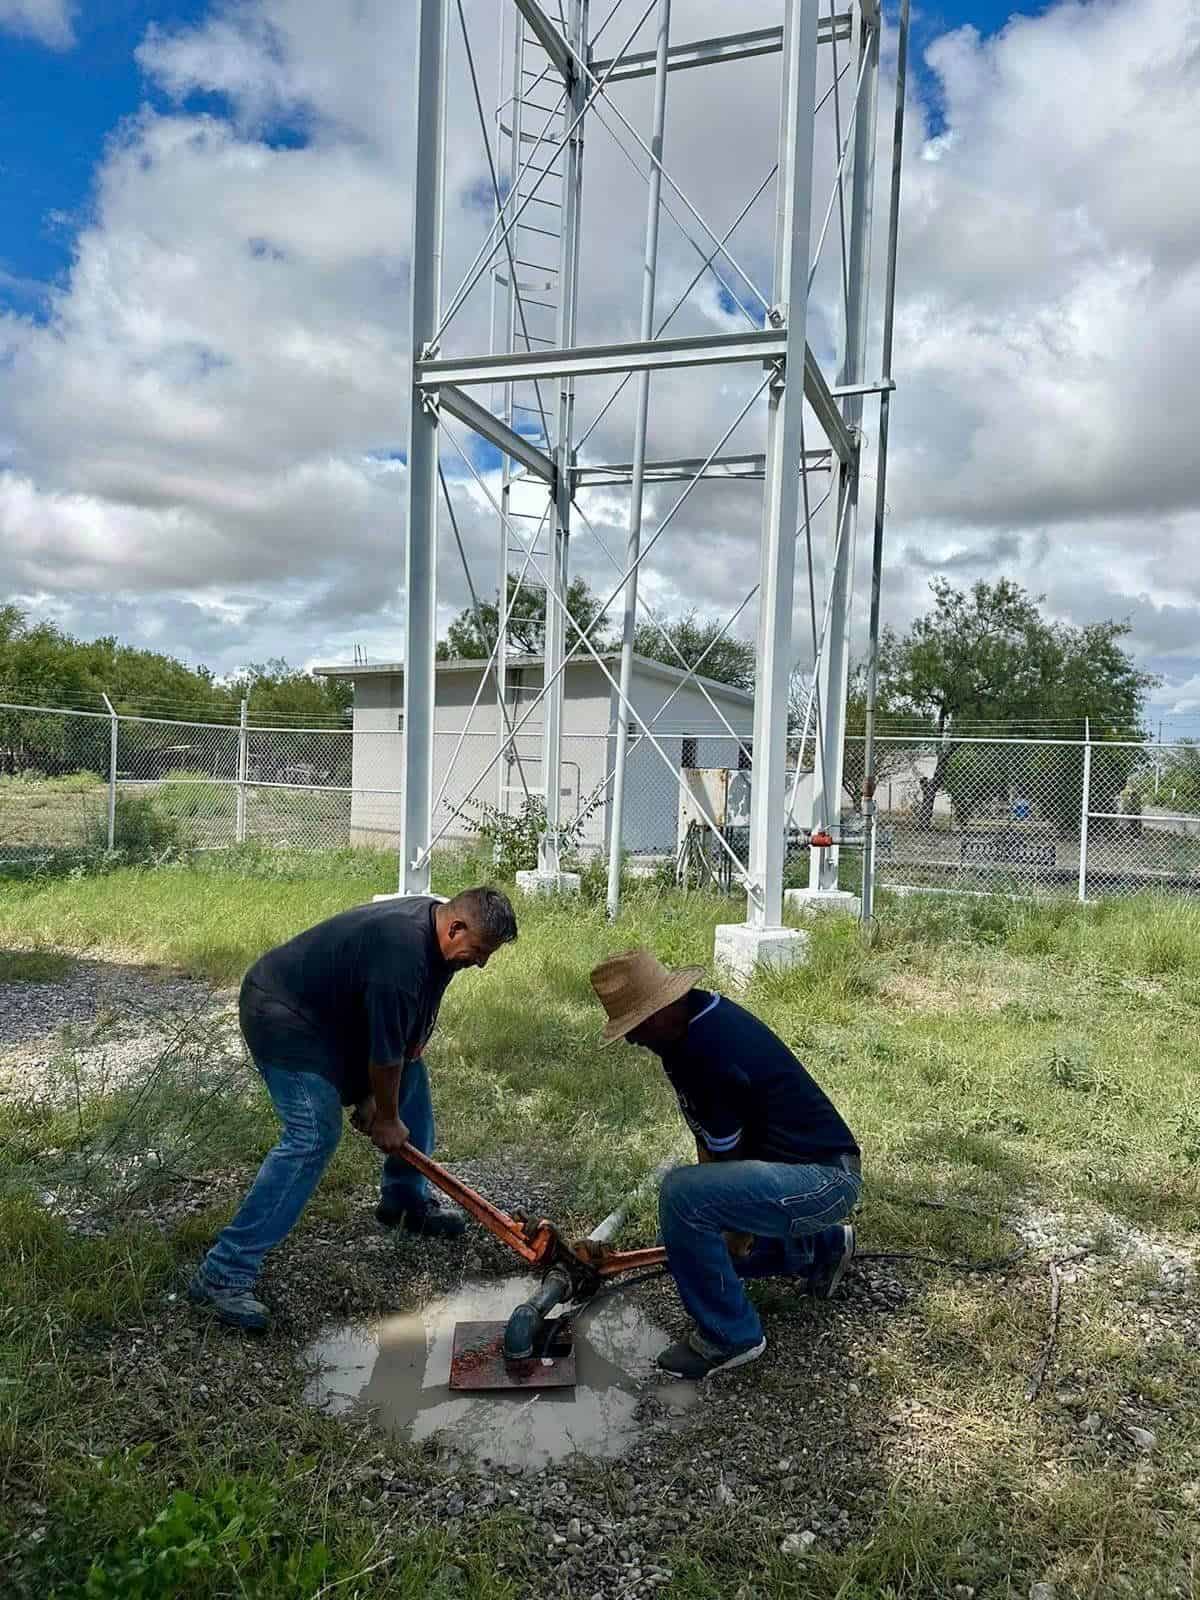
<point>990,1046</point>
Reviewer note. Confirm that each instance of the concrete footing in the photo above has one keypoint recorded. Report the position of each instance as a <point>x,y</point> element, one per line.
<point>741,947</point>
<point>548,882</point>
<point>814,901</point>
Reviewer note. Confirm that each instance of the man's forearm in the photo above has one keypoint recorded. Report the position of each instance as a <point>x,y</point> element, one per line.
<point>385,1086</point>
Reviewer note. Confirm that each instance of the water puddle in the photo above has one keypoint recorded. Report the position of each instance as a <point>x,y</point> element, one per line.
<point>399,1368</point>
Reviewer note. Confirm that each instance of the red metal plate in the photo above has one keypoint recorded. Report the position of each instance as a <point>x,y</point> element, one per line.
<point>478,1362</point>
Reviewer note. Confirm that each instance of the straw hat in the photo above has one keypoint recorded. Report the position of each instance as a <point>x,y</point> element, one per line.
<point>633,986</point>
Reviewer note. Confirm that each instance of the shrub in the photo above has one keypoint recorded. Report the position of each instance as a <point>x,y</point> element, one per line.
<point>513,835</point>
<point>141,830</point>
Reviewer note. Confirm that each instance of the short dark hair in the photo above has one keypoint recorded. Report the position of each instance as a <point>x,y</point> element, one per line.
<point>489,912</point>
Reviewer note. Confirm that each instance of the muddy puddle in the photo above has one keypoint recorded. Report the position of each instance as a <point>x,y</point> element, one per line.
<point>398,1368</point>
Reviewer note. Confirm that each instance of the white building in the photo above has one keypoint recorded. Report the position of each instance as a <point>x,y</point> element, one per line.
<point>471,773</point>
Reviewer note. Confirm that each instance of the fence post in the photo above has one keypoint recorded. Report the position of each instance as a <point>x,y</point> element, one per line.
<point>1087,806</point>
<point>242,768</point>
<point>113,734</point>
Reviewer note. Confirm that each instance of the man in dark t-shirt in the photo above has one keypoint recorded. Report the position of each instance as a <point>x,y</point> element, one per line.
<point>778,1168</point>
<point>340,1016</point>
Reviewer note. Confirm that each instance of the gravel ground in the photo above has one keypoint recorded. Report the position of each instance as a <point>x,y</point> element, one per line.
<point>797,1453</point>
<point>116,1016</point>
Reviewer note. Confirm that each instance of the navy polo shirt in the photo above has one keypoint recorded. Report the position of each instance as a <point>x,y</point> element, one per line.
<point>360,989</point>
<point>740,1087</point>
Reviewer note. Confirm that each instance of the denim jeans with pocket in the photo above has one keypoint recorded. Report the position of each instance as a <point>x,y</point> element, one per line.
<point>793,1212</point>
<point>310,1109</point>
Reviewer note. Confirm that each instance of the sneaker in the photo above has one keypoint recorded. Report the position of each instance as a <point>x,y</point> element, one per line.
<point>684,1360</point>
<point>824,1278</point>
<point>237,1307</point>
<point>428,1218</point>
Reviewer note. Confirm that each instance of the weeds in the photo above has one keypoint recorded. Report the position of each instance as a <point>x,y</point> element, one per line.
<point>94,1140</point>
<point>225,1532</point>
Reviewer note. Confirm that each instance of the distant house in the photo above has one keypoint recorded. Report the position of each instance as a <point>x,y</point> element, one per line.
<point>471,772</point>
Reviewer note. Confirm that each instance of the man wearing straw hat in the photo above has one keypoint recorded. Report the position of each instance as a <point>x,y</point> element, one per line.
<point>778,1168</point>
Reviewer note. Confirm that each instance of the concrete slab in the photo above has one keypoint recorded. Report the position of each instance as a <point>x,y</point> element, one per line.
<point>740,948</point>
<point>820,901</point>
<point>548,883</point>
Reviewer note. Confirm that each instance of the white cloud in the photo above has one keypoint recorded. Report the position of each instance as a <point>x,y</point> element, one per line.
<point>50,21</point>
<point>199,423</point>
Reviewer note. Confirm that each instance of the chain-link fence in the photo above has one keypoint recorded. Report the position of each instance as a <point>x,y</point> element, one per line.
<point>1020,816</point>
<point>1012,816</point>
<point>77,781</point>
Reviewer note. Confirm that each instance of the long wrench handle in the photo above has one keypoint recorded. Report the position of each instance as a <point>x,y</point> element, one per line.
<point>497,1222</point>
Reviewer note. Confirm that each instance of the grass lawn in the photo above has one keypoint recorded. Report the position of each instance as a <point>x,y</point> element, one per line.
<point>1000,1063</point>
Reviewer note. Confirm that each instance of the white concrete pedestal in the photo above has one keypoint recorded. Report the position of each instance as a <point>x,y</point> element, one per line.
<point>812,901</point>
<point>740,947</point>
<point>376,898</point>
<point>548,882</point>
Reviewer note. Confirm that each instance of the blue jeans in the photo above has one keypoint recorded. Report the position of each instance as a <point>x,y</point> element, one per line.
<point>310,1109</point>
<point>792,1211</point>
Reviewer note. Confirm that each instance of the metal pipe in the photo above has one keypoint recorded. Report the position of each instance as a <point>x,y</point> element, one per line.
<point>870,809</point>
<point>553,653</point>
<point>633,544</point>
<point>1085,811</point>
<point>781,496</point>
<point>510,333</point>
<point>524,1324</point>
<point>243,763</point>
<point>827,784</point>
<point>114,735</point>
<point>420,556</point>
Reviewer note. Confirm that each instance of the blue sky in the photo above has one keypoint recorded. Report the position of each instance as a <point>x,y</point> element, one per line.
<point>61,106</point>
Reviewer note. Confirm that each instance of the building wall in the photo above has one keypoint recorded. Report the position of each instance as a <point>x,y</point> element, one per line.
<point>468,757</point>
<point>687,727</point>
<point>378,762</point>
<point>588,721</point>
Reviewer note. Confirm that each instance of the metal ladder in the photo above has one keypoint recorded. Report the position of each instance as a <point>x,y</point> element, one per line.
<point>525,317</point>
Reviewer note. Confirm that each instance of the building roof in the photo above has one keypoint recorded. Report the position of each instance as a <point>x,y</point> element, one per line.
<point>611,659</point>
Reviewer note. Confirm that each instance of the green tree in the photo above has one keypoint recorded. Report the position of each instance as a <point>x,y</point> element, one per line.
<point>276,691</point>
<point>988,656</point>
<point>466,641</point>
<point>39,666</point>
<point>889,759</point>
<point>725,659</point>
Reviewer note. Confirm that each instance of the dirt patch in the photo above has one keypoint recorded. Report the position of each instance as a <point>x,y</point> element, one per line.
<point>1093,1243</point>
<point>113,1015</point>
<point>944,993</point>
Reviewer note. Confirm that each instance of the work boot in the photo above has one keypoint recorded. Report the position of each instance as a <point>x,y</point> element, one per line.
<point>237,1307</point>
<point>825,1276</point>
<point>685,1359</point>
<point>424,1217</point>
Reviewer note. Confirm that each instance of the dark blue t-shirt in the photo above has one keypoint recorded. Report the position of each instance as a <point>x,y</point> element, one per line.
<point>363,987</point>
<point>740,1087</point>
